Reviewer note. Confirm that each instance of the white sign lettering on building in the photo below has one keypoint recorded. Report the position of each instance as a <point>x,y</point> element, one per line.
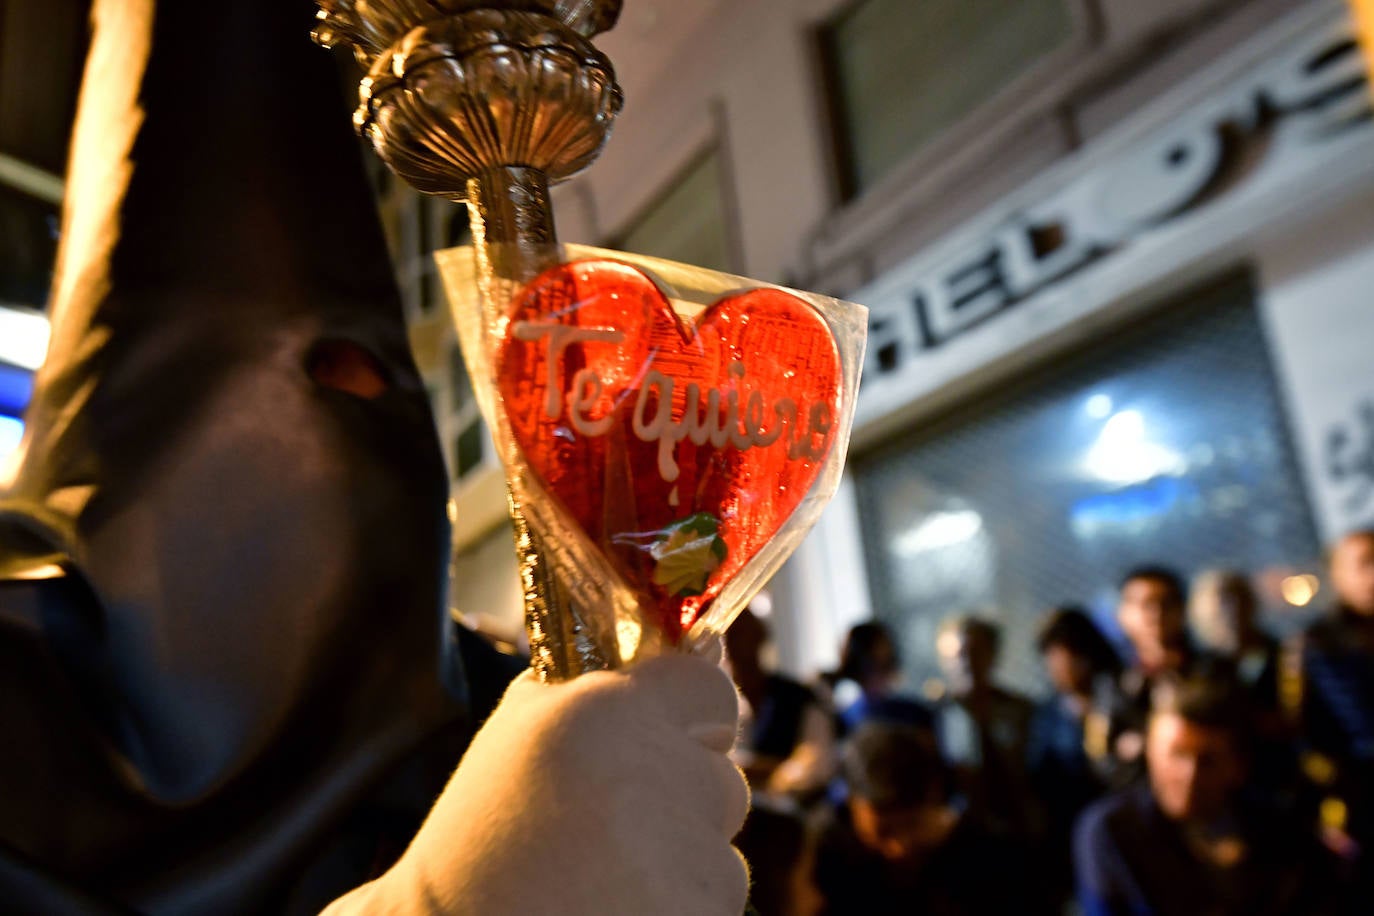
<point>1267,126</point>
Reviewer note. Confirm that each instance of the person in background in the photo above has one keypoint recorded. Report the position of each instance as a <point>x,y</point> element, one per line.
<point>1069,730</point>
<point>983,729</point>
<point>1151,614</point>
<point>897,845</point>
<point>1223,613</point>
<point>787,738</point>
<point>782,859</point>
<point>1335,701</point>
<point>1223,618</point>
<point>1188,841</point>
<point>870,660</point>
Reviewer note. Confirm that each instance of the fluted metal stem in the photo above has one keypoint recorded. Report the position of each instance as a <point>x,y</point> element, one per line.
<point>512,223</point>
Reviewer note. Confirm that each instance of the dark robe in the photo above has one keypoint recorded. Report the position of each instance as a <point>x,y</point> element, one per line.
<point>1338,724</point>
<point>227,679</point>
<point>1133,861</point>
<point>971,873</point>
<point>779,719</point>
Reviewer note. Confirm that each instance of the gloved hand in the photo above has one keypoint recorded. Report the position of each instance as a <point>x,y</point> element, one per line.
<point>608,794</point>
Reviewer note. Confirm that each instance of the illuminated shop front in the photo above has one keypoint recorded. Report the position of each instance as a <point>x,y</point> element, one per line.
<point>1163,442</point>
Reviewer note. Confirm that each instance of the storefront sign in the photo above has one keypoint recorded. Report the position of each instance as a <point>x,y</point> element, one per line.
<point>1317,307</point>
<point>1270,119</point>
<point>1350,460</point>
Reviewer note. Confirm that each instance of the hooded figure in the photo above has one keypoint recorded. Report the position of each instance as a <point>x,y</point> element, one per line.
<point>227,681</point>
<point>223,551</point>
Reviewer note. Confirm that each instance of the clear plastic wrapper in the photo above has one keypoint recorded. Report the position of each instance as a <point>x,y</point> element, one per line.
<point>669,435</point>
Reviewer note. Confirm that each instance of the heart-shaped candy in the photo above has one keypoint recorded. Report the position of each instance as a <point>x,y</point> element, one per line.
<point>680,446</point>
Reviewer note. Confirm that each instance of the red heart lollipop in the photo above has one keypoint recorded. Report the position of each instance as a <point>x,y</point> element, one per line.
<point>679,447</point>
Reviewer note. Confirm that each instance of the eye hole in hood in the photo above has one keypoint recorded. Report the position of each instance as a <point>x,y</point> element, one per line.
<point>348,367</point>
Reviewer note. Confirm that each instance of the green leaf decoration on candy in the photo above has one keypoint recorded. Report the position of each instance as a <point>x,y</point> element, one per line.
<point>686,553</point>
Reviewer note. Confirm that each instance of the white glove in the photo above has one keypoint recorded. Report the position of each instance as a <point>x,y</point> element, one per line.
<point>608,794</point>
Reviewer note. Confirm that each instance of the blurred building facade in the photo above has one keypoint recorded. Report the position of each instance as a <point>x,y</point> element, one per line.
<point>1118,258</point>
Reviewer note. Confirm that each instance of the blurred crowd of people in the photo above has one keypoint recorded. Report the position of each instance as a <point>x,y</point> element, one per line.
<point>1208,769</point>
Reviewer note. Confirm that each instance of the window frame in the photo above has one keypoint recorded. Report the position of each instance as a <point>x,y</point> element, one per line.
<point>716,146</point>
<point>1031,90</point>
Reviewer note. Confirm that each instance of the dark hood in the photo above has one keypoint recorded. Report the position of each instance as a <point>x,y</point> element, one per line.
<point>245,631</point>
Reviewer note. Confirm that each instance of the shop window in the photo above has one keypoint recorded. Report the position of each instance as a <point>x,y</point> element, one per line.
<point>428,282</point>
<point>460,385</point>
<point>688,221</point>
<point>469,449</point>
<point>459,228</point>
<point>1164,443</point>
<point>900,72</point>
<point>429,287</point>
<point>469,443</point>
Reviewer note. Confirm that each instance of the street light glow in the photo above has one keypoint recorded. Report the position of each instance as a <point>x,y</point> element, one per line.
<point>1124,454</point>
<point>11,431</point>
<point>23,337</point>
